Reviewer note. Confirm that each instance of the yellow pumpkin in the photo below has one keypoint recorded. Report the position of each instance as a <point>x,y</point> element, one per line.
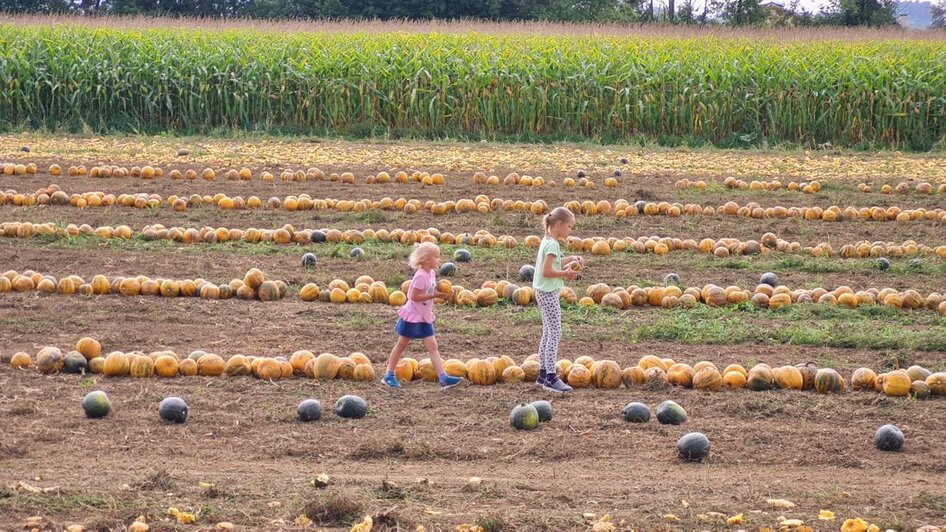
<point>425,371</point>
<point>210,365</point>
<point>586,361</point>
<point>789,378</point>
<point>359,358</point>
<point>530,369</point>
<point>512,375</point>
<point>703,364</point>
<point>633,375</point>
<point>607,374</point>
<point>309,292</point>
<point>268,369</point>
<point>681,375</point>
<point>324,366</point>
<point>116,364</point>
<point>237,366</point>
<point>455,368</point>
<point>254,278</point>
<point>651,361</point>
<point>363,373</point>
<point>897,384</point>
<point>141,367</point>
<point>346,369</point>
<point>735,367</point>
<point>937,383</point>
<point>481,372</point>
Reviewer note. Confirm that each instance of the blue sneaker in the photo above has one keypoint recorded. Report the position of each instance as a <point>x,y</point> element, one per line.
<point>391,381</point>
<point>449,382</point>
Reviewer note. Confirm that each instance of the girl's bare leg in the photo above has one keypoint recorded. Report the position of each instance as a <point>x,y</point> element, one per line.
<point>399,348</point>
<point>431,344</point>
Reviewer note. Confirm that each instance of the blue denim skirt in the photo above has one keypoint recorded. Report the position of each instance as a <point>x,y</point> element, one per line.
<point>413,330</point>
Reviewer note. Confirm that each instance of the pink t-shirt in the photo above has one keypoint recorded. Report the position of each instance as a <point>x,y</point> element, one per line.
<point>420,311</point>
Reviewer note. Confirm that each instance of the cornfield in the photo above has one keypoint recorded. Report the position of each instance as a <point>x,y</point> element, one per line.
<point>725,91</point>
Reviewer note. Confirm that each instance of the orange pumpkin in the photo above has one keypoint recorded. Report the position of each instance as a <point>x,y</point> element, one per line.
<point>141,367</point>
<point>500,364</point>
<point>97,365</point>
<point>481,372</point>
<point>166,366</point>
<point>187,367</point>
<point>734,380</point>
<point>404,370</point>
<point>680,375</point>
<point>425,371</point>
<point>607,374</point>
<point>298,361</point>
<point>359,358</point>
<point>254,278</point>
<point>707,378</point>
<point>760,378</point>
<point>268,370</point>
<point>346,369</point>
<point>937,383</point>
<point>579,376</point>
<point>655,376</point>
<point>864,379</point>
<point>89,348</point>
<point>586,361</point>
<point>210,365</point>
<point>651,361</point>
<point>704,364</point>
<point>736,367</point>
<point>20,361</point>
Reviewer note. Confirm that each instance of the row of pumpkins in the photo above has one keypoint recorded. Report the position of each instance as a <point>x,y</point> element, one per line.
<point>482,204</point>
<point>287,234</point>
<point>253,286</point>
<point>366,289</point>
<point>232,174</point>
<point>758,186</point>
<point>923,188</point>
<point>584,372</point>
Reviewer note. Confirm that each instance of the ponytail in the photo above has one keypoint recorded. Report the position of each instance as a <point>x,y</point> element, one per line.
<point>558,214</point>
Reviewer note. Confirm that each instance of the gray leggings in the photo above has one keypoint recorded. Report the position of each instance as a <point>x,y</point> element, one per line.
<point>551,309</point>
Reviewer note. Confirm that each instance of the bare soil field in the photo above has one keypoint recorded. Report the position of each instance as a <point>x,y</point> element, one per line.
<point>244,458</point>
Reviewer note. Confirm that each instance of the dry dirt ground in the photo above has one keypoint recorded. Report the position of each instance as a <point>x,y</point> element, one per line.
<point>409,462</point>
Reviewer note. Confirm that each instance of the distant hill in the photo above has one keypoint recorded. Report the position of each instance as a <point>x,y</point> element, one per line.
<point>918,14</point>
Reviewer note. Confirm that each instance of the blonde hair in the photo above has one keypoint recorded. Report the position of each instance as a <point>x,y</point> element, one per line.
<point>420,254</point>
<point>558,214</point>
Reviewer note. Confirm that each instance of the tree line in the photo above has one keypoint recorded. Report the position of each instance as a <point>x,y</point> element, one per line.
<point>683,12</point>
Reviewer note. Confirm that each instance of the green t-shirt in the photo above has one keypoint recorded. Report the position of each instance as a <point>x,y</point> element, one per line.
<point>549,246</point>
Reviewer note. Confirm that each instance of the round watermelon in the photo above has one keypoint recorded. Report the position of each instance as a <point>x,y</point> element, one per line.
<point>882,264</point>
<point>693,447</point>
<point>526,273</point>
<point>308,260</point>
<point>636,413</point>
<point>351,407</point>
<point>769,278</point>
<point>544,408</point>
<point>318,236</point>
<point>670,413</point>
<point>448,268</point>
<point>462,255</point>
<point>74,362</point>
<point>889,438</point>
<point>524,417</point>
<point>96,404</point>
<point>309,410</point>
<point>357,253</point>
<point>173,410</point>
<point>672,279</point>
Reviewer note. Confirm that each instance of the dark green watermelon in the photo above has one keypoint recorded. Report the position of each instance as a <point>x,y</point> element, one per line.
<point>693,447</point>
<point>173,410</point>
<point>351,407</point>
<point>526,273</point>
<point>96,404</point>
<point>309,410</point>
<point>889,438</point>
<point>636,413</point>
<point>670,413</point>
<point>544,408</point>
<point>462,255</point>
<point>524,417</point>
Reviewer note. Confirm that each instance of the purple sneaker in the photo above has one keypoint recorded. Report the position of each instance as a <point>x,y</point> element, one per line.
<point>556,386</point>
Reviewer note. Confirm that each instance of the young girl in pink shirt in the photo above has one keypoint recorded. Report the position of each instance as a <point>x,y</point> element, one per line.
<point>416,317</point>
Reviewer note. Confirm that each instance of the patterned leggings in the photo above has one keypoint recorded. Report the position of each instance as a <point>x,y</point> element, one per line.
<point>551,309</point>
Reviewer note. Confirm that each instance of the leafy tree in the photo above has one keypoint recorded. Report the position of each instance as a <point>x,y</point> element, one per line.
<point>938,12</point>
<point>860,13</point>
